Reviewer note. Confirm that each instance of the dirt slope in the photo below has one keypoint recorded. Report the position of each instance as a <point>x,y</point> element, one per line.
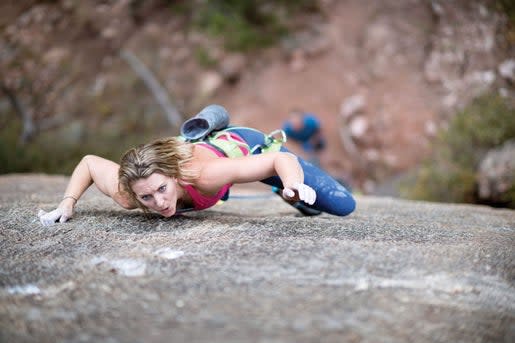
<point>353,58</point>
<point>413,63</point>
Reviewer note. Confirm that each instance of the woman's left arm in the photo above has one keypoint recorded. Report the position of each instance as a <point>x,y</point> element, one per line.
<point>258,167</point>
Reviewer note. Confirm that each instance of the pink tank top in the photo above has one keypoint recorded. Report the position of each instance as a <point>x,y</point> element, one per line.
<point>200,201</point>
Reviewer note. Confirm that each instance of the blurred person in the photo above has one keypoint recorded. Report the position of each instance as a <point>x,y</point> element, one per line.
<point>305,129</point>
<point>194,171</point>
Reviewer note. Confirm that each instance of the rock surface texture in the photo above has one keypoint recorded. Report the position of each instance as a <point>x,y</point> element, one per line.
<point>252,270</point>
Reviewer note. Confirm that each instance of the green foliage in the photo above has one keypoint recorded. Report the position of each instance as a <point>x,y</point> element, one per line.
<point>244,25</point>
<point>450,174</point>
<point>204,58</point>
<point>51,154</point>
<point>507,7</point>
<point>16,158</point>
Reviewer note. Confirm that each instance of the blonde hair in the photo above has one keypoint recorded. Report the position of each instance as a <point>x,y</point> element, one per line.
<point>167,156</point>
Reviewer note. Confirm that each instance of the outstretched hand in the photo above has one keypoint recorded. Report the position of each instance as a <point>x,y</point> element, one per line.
<point>300,191</point>
<point>61,214</point>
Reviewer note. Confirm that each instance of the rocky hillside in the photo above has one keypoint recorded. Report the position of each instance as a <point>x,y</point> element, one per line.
<point>383,76</point>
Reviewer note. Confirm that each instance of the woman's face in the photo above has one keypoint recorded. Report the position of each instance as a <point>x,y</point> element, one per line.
<point>158,192</point>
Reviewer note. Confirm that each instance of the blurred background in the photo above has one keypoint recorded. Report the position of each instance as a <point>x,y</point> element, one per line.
<point>415,98</point>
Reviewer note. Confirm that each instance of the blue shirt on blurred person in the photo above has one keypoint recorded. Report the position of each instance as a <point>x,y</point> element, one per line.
<point>305,129</point>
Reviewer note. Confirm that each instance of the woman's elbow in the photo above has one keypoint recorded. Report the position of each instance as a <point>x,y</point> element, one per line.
<point>128,206</point>
<point>289,155</point>
<point>288,159</point>
<point>124,201</point>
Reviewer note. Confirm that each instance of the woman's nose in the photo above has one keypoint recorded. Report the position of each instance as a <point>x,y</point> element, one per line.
<point>160,201</point>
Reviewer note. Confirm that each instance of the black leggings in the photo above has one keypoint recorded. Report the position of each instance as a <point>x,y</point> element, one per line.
<point>332,197</point>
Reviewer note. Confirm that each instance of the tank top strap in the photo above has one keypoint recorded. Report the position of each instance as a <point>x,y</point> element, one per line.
<point>201,201</point>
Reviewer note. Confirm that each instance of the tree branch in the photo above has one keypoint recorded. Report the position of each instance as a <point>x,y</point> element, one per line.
<point>159,93</point>
<point>29,128</point>
<point>50,123</point>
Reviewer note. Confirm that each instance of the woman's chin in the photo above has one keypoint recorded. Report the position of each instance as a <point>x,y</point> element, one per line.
<point>168,213</point>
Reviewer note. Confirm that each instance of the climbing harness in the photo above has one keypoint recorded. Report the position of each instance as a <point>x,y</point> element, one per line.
<point>225,141</point>
<point>272,141</point>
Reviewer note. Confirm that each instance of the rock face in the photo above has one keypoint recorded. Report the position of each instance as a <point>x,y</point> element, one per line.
<point>463,54</point>
<point>252,270</point>
<point>496,174</point>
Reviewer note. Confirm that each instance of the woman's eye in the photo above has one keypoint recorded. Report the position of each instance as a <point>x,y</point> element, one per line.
<point>162,188</point>
<point>145,197</point>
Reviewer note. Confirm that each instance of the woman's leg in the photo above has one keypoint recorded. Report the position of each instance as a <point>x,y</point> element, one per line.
<point>332,197</point>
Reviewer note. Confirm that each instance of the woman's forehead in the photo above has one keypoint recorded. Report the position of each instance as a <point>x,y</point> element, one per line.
<point>152,182</point>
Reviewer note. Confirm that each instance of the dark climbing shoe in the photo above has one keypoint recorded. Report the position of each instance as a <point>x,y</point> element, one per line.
<point>305,210</point>
<point>299,205</point>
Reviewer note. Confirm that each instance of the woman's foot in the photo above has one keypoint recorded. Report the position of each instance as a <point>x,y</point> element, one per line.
<point>299,205</point>
<point>305,209</point>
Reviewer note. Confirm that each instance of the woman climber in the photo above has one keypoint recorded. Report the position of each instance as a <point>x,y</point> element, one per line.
<point>195,170</point>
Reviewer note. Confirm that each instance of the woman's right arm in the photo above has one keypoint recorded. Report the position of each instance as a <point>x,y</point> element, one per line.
<point>91,169</point>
